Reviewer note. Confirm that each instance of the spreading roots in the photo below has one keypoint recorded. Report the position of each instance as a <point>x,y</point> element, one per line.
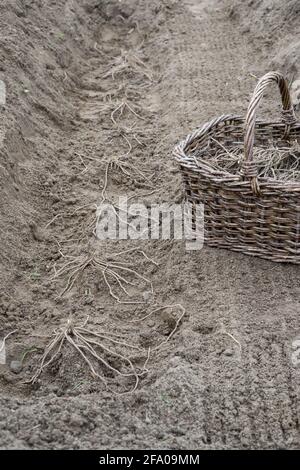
<point>120,110</point>
<point>128,63</point>
<point>126,168</point>
<point>115,274</point>
<point>99,352</point>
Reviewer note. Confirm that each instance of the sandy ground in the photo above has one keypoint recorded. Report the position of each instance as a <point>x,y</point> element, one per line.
<point>225,378</point>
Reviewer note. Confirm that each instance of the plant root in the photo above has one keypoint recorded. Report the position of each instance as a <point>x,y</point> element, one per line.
<point>177,323</point>
<point>87,344</point>
<point>116,272</point>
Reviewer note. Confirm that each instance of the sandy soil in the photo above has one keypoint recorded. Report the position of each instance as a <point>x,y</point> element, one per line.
<point>68,66</point>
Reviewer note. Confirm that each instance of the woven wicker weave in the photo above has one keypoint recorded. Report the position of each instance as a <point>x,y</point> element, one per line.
<point>244,212</point>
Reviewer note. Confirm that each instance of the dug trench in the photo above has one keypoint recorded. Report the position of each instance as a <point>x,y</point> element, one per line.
<point>97,95</point>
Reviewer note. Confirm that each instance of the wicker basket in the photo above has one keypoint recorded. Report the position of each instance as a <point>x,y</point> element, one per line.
<point>243,212</point>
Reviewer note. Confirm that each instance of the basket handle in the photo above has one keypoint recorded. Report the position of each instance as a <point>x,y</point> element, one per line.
<point>288,115</point>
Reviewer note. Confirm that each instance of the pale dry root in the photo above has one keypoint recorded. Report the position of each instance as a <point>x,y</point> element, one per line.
<point>2,341</point>
<point>126,168</point>
<point>178,320</point>
<point>128,62</point>
<point>92,348</point>
<point>116,272</point>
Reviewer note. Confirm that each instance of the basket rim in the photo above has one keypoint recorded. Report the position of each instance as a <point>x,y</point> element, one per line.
<point>200,166</point>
